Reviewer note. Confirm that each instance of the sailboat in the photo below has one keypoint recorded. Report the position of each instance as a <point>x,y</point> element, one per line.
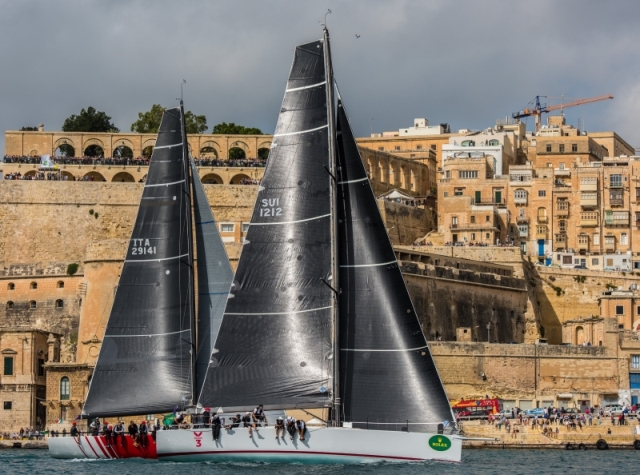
<point>156,347</point>
<point>319,316</point>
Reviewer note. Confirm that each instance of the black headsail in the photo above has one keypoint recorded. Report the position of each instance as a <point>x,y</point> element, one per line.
<point>274,344</point>
<point>214,276</point>
<point>388,379</point>
<point>145,364</point>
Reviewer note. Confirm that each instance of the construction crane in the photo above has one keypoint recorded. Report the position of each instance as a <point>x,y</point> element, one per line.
<point>540,108</point>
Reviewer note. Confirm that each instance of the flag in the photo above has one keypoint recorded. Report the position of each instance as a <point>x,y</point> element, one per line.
<point>45,161</point>
<point>168,419</point>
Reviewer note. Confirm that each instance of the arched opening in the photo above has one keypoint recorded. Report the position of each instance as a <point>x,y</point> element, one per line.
<point>263,153</point>
<point>32,304</point>
<point>94,176</point>
<point>60,284</point>
<point>11,286</point>
<point>65,389</point>
<point>67,176</point>
<point>59,303</point>
<point>236,153</point>
<point>123,152</point>
<point>580,335</point>
<point>241,179</point>
<point>208,152</point>
<point>147,151</point>
<point>493,143</point>
<point>65,150</point>
<point>9,305</point>
<point>33,285</point>
<point>30,173</point>
<point>123,177</point>
<point>212,179</point>
<point>95,151</point>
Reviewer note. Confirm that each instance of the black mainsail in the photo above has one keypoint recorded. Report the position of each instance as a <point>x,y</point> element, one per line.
<point>274,344</point>
<point>214,277</point>
<point>145,364</point>
<point>388,380</point>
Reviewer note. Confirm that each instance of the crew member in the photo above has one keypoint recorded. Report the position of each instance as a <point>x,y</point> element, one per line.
<point>246,419</point>
<point>279,427</point>
<point>155,428</point>
<point>143,434</point>
<point>206,416</point>
<point>107,430</point>
<point>133,433</point>
<point>301,428</point>
<point>259,416</point>
<point>291,426</point>
<point>235,422</point>
<point>95,427</point>
<point>216,425</point>
<point>74,432</point>
<point>118,431</point>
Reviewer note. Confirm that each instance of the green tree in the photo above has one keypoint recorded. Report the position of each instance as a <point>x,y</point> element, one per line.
<point>28,129</point>
<point>89,120</point>
<point>149,122</point>
<point>233,129</point>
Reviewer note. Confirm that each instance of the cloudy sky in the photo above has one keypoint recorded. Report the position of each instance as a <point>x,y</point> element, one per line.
<point>466,63</point>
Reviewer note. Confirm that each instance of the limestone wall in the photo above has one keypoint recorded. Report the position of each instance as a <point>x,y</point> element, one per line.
<point>405,224</point>
<point>528,372</point>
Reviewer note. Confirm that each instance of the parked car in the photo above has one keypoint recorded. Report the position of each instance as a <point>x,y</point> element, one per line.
<point>536,411</point>
<point>506,413</point>
<point>614,409</point>
<point>474,413</point>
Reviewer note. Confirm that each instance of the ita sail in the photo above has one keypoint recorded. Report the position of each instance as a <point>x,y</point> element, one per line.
<point>145,365</point>
<point>274,345</point>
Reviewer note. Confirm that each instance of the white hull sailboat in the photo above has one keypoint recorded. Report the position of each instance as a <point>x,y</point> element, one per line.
<point>321,445</point>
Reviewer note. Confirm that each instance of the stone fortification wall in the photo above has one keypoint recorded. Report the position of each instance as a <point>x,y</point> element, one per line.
<point>405,224</point>
<point>447,298</point>
<point>528,372</point>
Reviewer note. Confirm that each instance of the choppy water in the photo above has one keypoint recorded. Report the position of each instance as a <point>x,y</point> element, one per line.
<point>481,462</point>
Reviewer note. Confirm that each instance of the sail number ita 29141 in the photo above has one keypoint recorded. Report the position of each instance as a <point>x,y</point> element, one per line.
<point>142,247</point>
<point>270,207</point>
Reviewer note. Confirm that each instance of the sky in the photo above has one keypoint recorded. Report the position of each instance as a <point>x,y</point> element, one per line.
<point>463,62</point>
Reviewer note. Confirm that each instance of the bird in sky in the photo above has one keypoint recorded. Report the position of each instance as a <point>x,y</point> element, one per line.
<point>357,35</point>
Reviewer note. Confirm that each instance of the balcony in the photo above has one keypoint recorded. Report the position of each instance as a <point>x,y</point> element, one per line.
<point>562,172</point>
<point>588,220</point>
<point>542,233</point>
<point>609,245</point>
<point>486,226</point>
<point>589,201</point>
<point>543,219</point>
<point>520,200</point>
<point>583,246</point>
<point>618,218</point>
<point>562,210</point>
<point>523,232</point>
<point>522,219</point>
<point>589,184</point>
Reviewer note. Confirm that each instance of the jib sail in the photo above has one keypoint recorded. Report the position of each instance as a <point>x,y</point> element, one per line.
<point>388,380</point>
<point>274,344</point>
<point>145,363</point>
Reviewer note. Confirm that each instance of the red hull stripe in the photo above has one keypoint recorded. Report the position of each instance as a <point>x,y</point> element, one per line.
<point>103,446</point>
<point>91,447</point>
<point>338,454</point>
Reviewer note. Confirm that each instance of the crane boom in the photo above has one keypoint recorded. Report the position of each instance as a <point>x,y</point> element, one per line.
<point>539,108</point>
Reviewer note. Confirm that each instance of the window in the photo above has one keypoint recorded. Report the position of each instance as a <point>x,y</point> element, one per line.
<point>245,227</point>
<point>562,224</point>
<point>59,303</point>
<point>561,148</point>
<point>468,174</point>
<point>458,191</point>
<point>9,305</point>
<point>433,147</point>
<point>381,149</point>
<point>397,147</point>
<point>567,259</point>
<point>493,143</point>
<point>574,147</point>
<point>638,310</point>
<point>624,239</point>
<point>446,194</point>
<point>34,285</point>
<point>8,365</point>
<point>595,261</point>
<point>615,181</point>
<point>227,227</point>
<point>60,285</point>
<point>563,205</point>
<point>542,193</point>
<point>562,166</point>
<point>454,221</point>
<point>32,304</point>
<point>473,236</point>
<point>486,236</point>
<point>447,174</point>
<point>11,286</point>
<point>488,218</point>
<point>8,405</point>
<point>473,219</point>
<point>468,143</point>
<point>548,147</point>
<point>520,194</point>
<point>65,389</point>
<point>40,366</point>
<point>635,361</point>
<point>418,147</point>
<point>619,310</point>
<point>583,239</point>
<point>596,239</point>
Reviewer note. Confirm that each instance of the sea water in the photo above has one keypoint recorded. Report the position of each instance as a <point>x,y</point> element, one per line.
<point>476,461</point>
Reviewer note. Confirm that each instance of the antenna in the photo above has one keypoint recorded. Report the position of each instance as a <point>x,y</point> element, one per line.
<point>184,81</point>
<point>325,18</point>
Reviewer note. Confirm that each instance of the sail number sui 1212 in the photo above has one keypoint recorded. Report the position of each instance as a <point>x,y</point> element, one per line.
<point>270,207</point>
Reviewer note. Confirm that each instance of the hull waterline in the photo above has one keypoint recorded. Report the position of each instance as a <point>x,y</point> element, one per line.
<point>95,447</point>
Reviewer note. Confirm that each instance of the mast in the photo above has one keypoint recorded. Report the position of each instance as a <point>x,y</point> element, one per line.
<point>188,188</point>
<point>336,403</point>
